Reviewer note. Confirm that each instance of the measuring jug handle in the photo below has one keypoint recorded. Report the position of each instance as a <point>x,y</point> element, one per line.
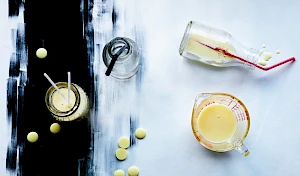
<point>240,147</point>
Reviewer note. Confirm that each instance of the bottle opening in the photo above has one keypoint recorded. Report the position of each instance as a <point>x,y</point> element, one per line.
<point>185,38</point>
<point>116,45</point>
<point>59,106</point>
<point>121,57</point>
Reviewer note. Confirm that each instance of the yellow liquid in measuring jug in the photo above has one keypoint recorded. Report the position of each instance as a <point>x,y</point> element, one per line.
<point>205,52</point>
<point>217,123</point>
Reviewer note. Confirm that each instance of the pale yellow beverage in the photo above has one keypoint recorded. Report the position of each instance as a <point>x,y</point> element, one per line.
<point>60,103</point>
<point>217,123</point>
<point>195,47</point>
<point>76,109</point>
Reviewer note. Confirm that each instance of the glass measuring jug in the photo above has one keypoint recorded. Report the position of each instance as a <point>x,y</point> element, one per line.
<point>218,48</point>
<point>240,124</point>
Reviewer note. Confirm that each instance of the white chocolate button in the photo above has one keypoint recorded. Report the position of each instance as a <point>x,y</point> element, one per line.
<point>262,62</point>
<point>267,56</point>
<point>41,53</point>
<point>121,154</point>
<point>140,133</point>
<point>133,171</point>
<point>55,128</point>
<point>277,51</point>
<point>119,173</point>
<point>124,142</point>
<point>32,137</point>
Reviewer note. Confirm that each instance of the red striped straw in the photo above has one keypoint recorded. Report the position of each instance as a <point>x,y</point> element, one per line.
<point>251,63</point>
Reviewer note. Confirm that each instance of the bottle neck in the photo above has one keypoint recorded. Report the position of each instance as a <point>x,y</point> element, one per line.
<point>250,57</point>
<point>112,48</point>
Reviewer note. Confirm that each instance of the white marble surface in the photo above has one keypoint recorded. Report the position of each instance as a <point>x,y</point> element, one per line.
<point>172,82</point>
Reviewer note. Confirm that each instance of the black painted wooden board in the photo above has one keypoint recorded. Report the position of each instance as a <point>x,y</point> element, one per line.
<point>58,27</point>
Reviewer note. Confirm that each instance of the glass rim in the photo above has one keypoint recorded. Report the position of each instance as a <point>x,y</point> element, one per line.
<point>54,111</point>
<point>115,41</point>
<point>185,38</point>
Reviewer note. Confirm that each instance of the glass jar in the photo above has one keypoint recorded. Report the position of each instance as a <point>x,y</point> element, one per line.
<point>127,62</point>
<point>78,107</point>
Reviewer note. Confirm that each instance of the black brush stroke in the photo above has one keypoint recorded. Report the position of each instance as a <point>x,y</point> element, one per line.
<point>67,51</point>
<point>14,66</point>
<point>13,7</point>
<point>133,126</point>
<point>21,52</point>
<point>21,95</point>
<point>15,95</point>
<point>114,16</point>
<point>25,112</point>
<point>12,115</point>
<point>86,165</point>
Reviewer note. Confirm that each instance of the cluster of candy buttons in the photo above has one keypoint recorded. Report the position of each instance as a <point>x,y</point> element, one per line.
<point>121,153</point>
